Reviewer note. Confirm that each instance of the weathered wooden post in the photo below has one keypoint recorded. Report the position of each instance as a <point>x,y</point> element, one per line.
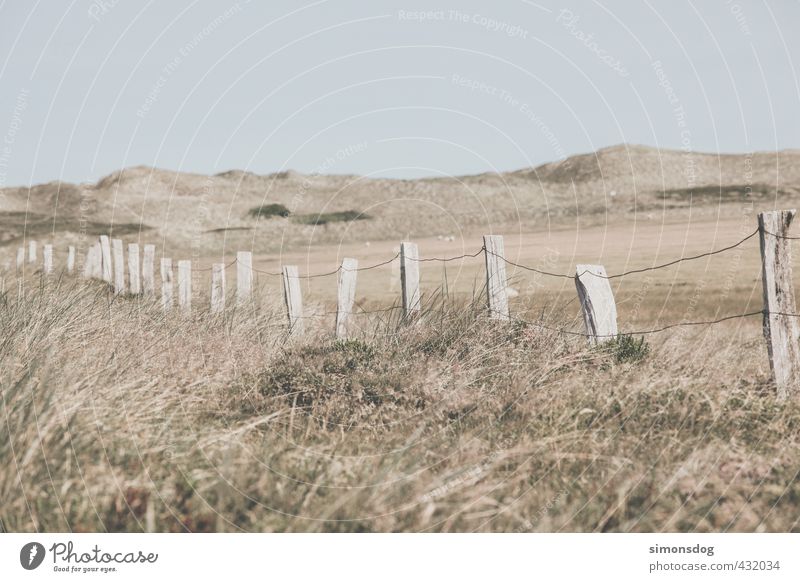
<point>105,258</point>
<point>97,266</point>
<point>293,298</point>
<point>496,284</point>
<point>409,279</point>
<point>32,252</point>
<point>185,285</point>
<point>70,259</point>
<point>119,266</point>
<point>781,328</point>
<point>148,271</point>
<point>20,258</point>
<point>47,255</point>
<point>346,295</point>
<point>597,303</point>
<point>88,264</point>
<point>166,284</point>
<point>134,277</point>
<point>244,276</point>
<point>217,287</point>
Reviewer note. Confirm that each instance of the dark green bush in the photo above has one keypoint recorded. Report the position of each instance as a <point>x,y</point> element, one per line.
<point>269,211</point>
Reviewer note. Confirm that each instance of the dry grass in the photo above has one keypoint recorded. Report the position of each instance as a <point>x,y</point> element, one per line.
<point>116,418</point>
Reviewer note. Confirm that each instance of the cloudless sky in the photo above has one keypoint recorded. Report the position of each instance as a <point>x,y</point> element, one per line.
<point>385,88</point>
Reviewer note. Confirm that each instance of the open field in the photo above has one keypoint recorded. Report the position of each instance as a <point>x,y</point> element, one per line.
<point>121,419</point>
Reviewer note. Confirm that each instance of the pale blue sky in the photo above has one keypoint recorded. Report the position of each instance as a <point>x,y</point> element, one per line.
<point>373,88</point>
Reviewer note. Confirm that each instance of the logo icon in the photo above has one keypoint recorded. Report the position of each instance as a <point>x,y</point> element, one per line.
<point>31,555</point>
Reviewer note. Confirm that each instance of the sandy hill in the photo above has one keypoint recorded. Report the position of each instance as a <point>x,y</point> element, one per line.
<point>204,212</point>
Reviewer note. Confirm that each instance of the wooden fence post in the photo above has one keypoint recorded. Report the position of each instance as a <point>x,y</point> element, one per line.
<point>166,284</point>
<point>148,271</point>
<point>217,287</point>
<point>134,277</point>
<point>88,263</point>
<point>496,284</point>
<point>119,266</point>
<point>32,252</point>
<point>780,330</point>
<point>293,298</point>
<point>244,276</point>
<point>70,259</point>
<point>97,266</point>
<point>47,255</point>
<point>185,285</point>
<point>105,258</point>
<point>346,295</point>
<point>409,279</point>
<point>597,303</point>
<point>20,258</point>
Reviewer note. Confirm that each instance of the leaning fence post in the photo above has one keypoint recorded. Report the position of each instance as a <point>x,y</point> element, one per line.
<point>597,303</point>
<point>105,258</point>
<point>166,284</point>
<point>409,278</point>
<point>294,301</point>
<point>781,327</point>
<point>32,252</point>
<point>119,266</point>
<point>185,285</point>
<point>148,271</point>
<point>47,255</point>
<point>496,294</point>
<point>134,278</point>
<point>217,287</point>
<point>70,259</point>
<point>244,276</point>
<point>346,295</point>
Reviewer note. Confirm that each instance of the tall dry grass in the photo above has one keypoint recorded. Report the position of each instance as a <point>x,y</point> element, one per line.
<point>116,417</point>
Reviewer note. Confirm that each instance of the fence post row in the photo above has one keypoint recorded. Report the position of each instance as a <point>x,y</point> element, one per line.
<point>217,287</point>
<point>166,284</point>
<point>346,295</point>
<point>148,271</point>
<point>244,276</point>
<point>185,286</point>
<point>781,328</point>
<point>409,279</point>
<point>597,303</point>
<point>294,301</point>
<point>134,278</point>
<point>496,284</point>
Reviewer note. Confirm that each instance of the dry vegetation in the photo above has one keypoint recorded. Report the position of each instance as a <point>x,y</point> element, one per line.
<point>118,418</point>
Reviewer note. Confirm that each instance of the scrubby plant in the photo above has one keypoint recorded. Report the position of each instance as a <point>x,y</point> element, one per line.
<point>269,211</point>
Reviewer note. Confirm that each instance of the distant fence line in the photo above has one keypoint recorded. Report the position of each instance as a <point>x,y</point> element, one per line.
<point>105,260</point>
